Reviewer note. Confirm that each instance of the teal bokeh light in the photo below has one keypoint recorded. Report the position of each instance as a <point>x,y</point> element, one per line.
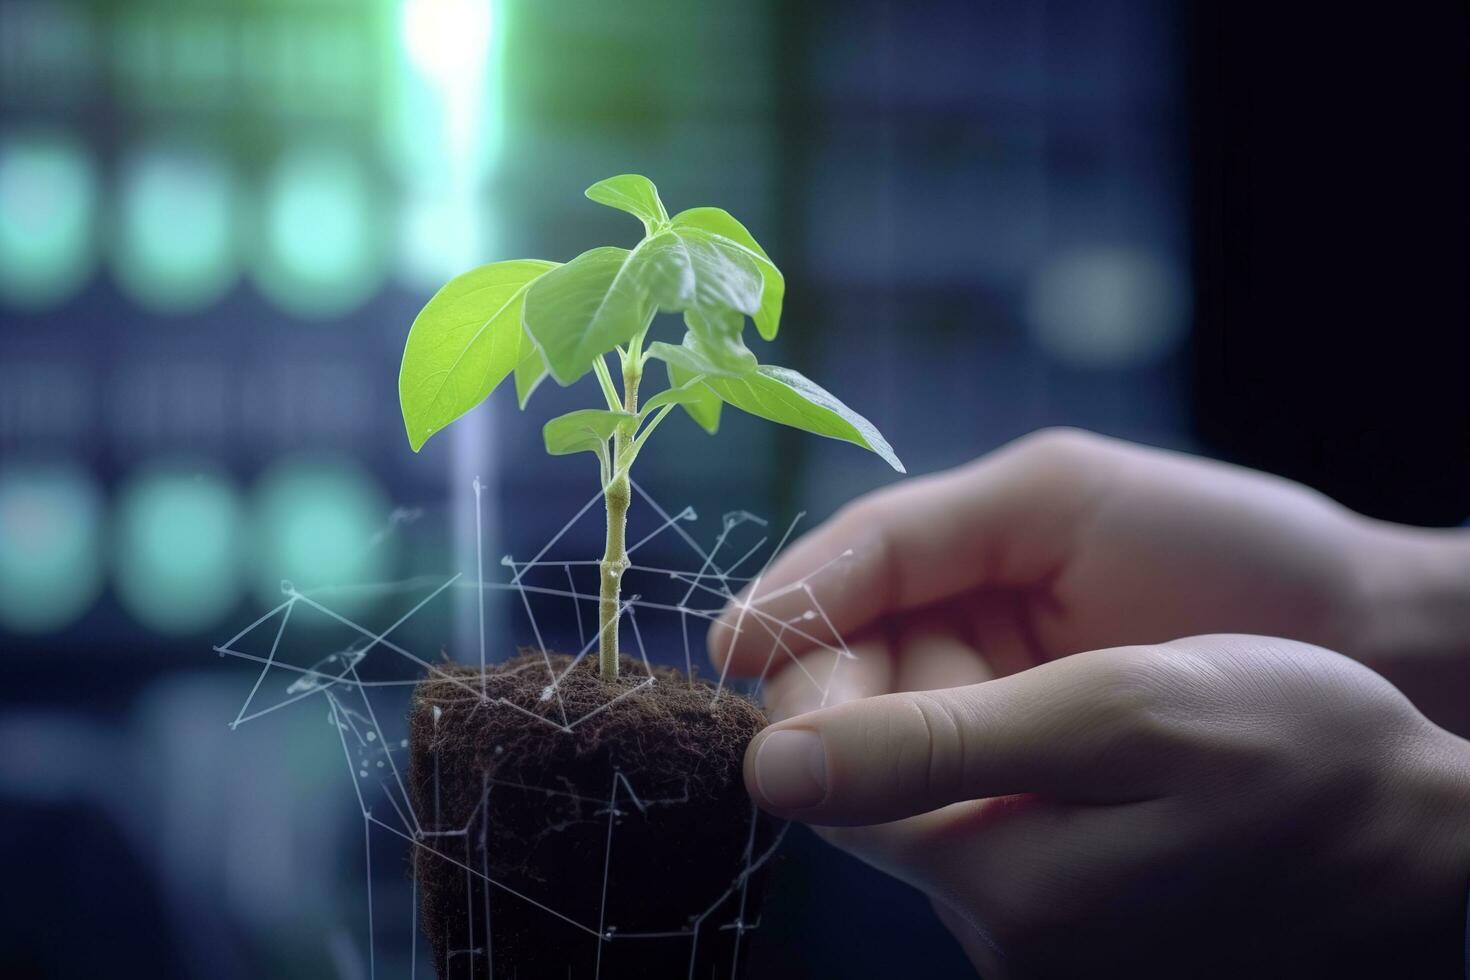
<point>322,246</point>
<point>178,548</point>
<point>48,210</point>
<point>50,547</point>
<point>175,248</point>
<point>320,523</point>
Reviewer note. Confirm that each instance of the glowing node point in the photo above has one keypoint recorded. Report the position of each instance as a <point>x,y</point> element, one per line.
<point>438,711</point>
<point>809,614</point>
<point>287,586</point>
<point>372,736</point>
<point>546,693</point>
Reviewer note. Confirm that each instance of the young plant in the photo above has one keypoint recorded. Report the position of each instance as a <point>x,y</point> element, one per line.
<point>528,318</point>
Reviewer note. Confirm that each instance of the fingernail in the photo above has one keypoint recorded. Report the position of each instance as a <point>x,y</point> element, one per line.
<point>791,769</point>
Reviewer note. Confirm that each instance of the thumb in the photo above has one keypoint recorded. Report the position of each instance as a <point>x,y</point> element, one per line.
<point>1056,729</point>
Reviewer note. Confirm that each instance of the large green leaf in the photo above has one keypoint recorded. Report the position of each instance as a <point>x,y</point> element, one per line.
<point>723,227</point>
<point>586,308</point>
<point>782,395</point>
<point>700,401</point>
<point>463,343</point>
<point>634,194</point>
<point>587,430</point>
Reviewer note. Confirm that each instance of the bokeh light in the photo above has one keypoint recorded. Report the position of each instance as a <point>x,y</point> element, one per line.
<point>48,205</point>
<point>50,546</point>
<point>175,249</point>
<point>178,547</point>
<point>1107,307</point>
<point>320,523</point>
<point>322,244</point>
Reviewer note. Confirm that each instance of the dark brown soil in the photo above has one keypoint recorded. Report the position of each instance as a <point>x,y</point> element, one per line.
<point>528,871</point>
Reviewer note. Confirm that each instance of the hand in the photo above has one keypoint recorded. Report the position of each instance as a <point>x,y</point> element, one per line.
<point>1226,805</point>
<point>1066,541</point>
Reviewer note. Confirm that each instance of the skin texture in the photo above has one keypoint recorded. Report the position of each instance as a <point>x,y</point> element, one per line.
<point>1265,800</point>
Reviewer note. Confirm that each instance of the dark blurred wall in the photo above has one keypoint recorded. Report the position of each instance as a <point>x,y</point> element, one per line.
<point>1332,248</point>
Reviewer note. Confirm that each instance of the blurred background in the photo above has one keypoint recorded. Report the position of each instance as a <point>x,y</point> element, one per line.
<point>1231,228</point>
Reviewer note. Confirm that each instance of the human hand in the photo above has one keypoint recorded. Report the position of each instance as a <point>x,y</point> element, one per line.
<point>1221,806</point>
<point>1064,541</point>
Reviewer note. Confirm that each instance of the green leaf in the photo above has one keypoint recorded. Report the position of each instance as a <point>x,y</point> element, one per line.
<point>586,308</point>
<point>587,430</point>
<point>463,343</point>
<point>718,338</point>
<point>782,395</point>
<point>702,404</point>
<point>722,226</point>
<point>684,394</point>
<point>691,269</point>
<point>634,194</point>
<point>530,369</point>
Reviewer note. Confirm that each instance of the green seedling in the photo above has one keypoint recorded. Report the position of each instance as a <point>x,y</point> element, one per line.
<point>529,318</point>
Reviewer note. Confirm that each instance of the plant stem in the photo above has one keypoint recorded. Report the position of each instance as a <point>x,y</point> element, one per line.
<point>617,495</point>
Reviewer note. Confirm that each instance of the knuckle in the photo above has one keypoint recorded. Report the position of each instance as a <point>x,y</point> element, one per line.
<point>864,510</point>
<point>1133,701</point>
<point>924,747</point>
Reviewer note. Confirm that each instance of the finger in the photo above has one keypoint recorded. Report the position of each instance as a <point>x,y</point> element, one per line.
<point>1001,624</point>
<point>1005,520</point>
<point>1078,729</point>
<point>817,678</point>
<point>931,651</point>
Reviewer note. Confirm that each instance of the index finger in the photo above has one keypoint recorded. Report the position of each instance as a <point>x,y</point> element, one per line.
<point>1004,520</point>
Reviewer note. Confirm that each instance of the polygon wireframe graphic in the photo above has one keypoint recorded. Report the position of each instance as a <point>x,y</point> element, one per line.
<point>348,680</point>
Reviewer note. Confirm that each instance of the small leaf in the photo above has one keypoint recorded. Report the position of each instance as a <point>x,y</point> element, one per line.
<point>718,337</point>
<point>586,430</point>
<point>702,404</point>
<point>722,226</point>
<point>634,194</point>
<point>530,369</point>
<point>684,394</point>
<point>782,395</point>
<point>694,357</point>
<point>462,344</point>
<point>586,308</point>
